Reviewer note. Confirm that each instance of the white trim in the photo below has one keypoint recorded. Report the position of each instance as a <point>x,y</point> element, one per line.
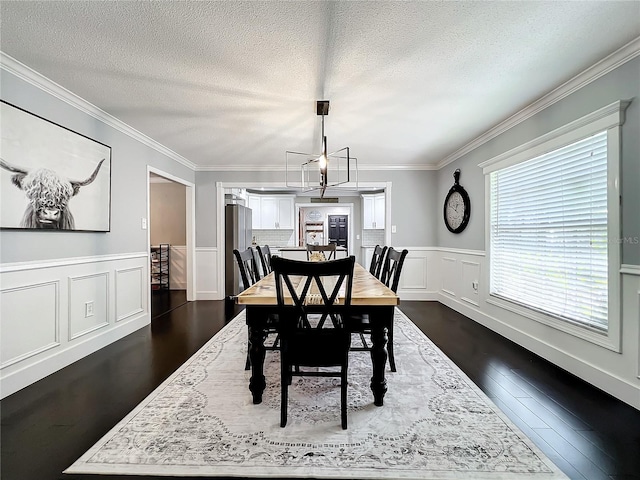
<point>461,251</point>
<point>32,265</point>
<point>608,118</point>
<point>607,381</point>
<point>220,188</point>
<point>630,269</point>
<point>43,348</point>
<point>296,220</point>
<point>282,168</point>
<point>624,54</point>
<point>71,279</point>
<point>605,118</point>
<point>190,220</point>
<point>585,333</point>
<point>619,57</point>
<point>38,80</point>
<point>118,271</point>
<point>64,356</point>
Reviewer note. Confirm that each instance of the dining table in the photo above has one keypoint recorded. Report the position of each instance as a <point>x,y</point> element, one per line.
<point>369,296</point>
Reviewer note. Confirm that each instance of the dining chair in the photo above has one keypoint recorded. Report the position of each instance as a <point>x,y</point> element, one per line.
<point>307,338</point>
<point>265,259</point>
<point>390,276</point>
<point>377,260</point>
<point>250,274</point>
<point>331,248</point>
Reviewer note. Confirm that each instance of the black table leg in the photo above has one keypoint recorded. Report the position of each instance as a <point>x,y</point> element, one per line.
<point>257,335</point>
<point>379,323</point>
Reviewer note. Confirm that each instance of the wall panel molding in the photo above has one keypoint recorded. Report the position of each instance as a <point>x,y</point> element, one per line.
<point>207,275</point>
<point>65,262</point>
<point>130,288</point>
<point>44,321</point>
<point>614,372</point>
<point>78,297</point>
<point>30,321</point>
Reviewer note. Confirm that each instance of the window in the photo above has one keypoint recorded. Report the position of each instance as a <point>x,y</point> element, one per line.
<point>548,235</point>
<point>553,227</point>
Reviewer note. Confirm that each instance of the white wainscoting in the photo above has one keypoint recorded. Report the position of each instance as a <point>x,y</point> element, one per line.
<point>178,267</point>
<point>420,274</point>
<point>207,287</point>
<point>463,288</point>
<point>54,313</point>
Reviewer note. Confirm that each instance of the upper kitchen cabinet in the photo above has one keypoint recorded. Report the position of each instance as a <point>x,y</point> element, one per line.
<point>271,212</point>
<point>373,208</point>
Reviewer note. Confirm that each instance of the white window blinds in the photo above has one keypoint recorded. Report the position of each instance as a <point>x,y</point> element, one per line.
<point>548,233</point>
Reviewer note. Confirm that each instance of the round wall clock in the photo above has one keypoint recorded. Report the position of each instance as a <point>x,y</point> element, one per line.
<point>457,206</point>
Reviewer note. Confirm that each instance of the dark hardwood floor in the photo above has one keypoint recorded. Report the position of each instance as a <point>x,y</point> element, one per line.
<point>48,425</point>
<point>163,301</point>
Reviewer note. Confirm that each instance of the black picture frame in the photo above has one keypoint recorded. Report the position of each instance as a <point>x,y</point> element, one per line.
<point>51,177</point>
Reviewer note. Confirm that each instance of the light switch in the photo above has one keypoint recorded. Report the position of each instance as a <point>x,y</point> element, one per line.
<point>393,229</point>
<point>357,237</point>
<point>143,223</point>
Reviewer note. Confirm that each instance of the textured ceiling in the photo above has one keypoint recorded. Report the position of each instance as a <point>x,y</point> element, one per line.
<point>235,83</point>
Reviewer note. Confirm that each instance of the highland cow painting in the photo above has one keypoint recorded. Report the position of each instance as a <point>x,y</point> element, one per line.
<point>51,178</point>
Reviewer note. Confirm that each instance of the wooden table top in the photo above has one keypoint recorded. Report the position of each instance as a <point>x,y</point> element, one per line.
<point>367,290</point>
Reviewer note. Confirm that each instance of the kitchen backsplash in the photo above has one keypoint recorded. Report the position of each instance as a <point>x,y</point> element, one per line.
<point>275,238</point>
<point>371,238</point>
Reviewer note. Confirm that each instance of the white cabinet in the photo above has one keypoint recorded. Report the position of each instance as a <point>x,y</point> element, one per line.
<point>253,202</point>
<point>270,212</point>
<point>373,208</point>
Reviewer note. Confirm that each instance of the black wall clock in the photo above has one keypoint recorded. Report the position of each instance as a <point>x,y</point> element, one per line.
<point>457,206</point>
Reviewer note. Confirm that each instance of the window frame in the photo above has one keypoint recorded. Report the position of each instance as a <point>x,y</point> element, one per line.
<point>609,119</point>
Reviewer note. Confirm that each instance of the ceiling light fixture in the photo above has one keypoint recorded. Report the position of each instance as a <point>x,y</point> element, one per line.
<point>313,169</point>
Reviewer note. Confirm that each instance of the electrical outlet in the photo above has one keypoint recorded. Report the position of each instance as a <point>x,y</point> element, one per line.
<point>88,309</point>
<point>143,223</point>
<point>357,237</point>
<point>393,229</point>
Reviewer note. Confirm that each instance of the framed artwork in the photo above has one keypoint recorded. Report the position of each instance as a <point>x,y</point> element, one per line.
<point>51,177</point>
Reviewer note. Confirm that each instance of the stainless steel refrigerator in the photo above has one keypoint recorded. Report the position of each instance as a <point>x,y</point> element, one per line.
<point>238,235</point>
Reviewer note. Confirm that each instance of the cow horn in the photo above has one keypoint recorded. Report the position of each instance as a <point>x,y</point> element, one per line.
<point>77,185</point>
<point>11,168</point>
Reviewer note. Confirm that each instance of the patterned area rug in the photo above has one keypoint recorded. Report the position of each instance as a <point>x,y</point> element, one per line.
<point>435,422</point>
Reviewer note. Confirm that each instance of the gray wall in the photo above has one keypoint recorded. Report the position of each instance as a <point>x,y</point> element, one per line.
<point>413,196</point>
<point>129,160</point>
<point>622,83</point>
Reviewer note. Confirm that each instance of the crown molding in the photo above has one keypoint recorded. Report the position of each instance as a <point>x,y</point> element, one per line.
<point>624,54</point>
<point>282,168</point>
<point>38,80</point>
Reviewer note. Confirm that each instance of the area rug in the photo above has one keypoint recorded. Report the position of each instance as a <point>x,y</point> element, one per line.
<point>435,422</point>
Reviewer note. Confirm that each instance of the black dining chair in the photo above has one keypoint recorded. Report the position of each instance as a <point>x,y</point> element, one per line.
<point>390,276</point>
<point>377,260</point>
<point>250,274</point>
<point>331,249</point>
<point>307,338</point>
<point>265,259</point>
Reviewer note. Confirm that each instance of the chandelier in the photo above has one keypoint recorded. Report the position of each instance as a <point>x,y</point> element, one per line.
<point>317,171</point>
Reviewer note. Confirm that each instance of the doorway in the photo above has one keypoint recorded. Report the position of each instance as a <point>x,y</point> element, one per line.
<point>170,250</point>
<point>339,230</point>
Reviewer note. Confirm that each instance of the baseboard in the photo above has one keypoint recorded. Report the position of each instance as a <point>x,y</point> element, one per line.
<point>420,296</point>
<point>207,296</point>
<point>605,381</point>
<point>59,359</point>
